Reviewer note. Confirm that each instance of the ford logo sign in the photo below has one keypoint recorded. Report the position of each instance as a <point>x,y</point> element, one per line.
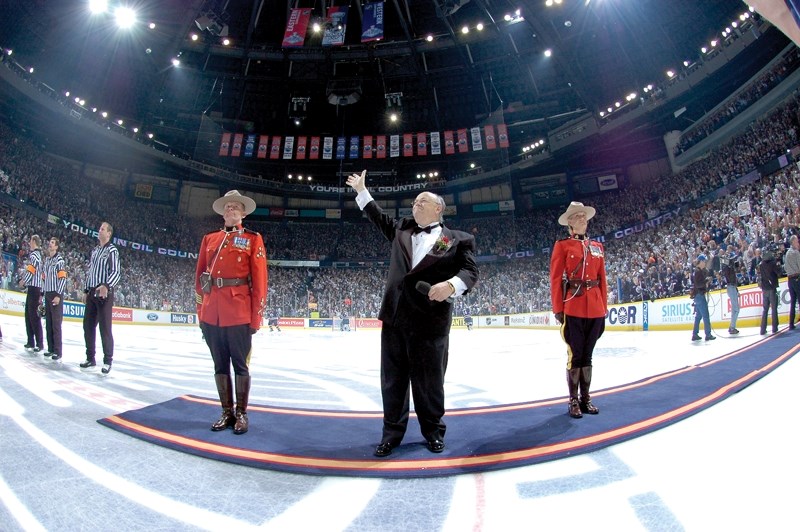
<point>152,316</point>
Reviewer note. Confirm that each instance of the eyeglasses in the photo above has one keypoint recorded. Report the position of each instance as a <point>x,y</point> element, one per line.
<point>420,202</point>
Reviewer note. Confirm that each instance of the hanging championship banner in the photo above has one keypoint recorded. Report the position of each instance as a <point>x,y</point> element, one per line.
<point>380,146</point>
<point>314,148</point>
<point>237,144</point>
<point>449,144</point>
<point>301,148</point>
<point>488,131</point>
<point>502,135</point>
<point>296,28</point>
<point>408,144</point>
<point>367,146</point>
<point>263,142</point>
<point>225,145</point>
<point>372,22</point>
<point>275,149</point>
<point>335,26</point>
<point>422,144</point>
<point>462,141</point>
<point>477,144</point>
<point>340,147</point>
<point>288,148</point>
<point>327,148</point>
<point>394,146</point>
<point>353,148</point>
<point>436,143</point>
<point>250,145</point>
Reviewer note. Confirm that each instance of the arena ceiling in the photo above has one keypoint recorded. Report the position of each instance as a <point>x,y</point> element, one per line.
<point>602,50</point>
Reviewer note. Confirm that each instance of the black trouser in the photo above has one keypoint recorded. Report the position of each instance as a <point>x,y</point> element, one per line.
<point>98,310</point>
<point>581,335</point>
<point>421,359</point>
<point>33,322</point>
<point>229,345</point>
<point>53,316</point>
<point>794,297</point>
<point>770,298</point>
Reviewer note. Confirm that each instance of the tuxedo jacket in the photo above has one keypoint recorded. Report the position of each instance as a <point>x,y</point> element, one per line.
<point>403,305</point>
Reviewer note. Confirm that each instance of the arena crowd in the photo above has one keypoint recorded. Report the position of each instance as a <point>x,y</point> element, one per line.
<point>651,263</point>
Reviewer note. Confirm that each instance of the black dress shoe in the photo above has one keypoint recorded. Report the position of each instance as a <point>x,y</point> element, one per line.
<point>56,356</point>
<point>384,449</point>
<point>435,446</point>
<point>88,364</point>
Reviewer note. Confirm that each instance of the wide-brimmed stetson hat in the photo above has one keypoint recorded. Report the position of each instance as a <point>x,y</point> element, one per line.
<point>574,208</point>
<point>234,195</point>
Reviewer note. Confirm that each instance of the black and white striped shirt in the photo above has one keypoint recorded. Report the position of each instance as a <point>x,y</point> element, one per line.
<point>55,274</point>
<point>103,267</point>
<point>34,271</point>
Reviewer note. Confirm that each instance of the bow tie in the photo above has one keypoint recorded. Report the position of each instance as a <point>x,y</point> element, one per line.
<point>418,229</point>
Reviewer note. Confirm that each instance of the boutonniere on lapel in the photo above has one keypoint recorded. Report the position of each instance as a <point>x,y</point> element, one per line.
<point>442,245</point>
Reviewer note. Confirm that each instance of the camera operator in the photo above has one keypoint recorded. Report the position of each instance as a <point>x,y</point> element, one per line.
<point>768,271</point>
<point>729,264</point>
<point>701,281</point>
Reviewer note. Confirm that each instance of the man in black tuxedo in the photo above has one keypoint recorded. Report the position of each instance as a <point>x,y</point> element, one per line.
<point>430,265</point>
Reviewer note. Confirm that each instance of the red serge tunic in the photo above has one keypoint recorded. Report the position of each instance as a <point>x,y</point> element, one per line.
<point>241,256</point>
<point>579,259</point>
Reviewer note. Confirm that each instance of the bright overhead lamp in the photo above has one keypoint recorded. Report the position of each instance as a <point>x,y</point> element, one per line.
<point>125,17</point>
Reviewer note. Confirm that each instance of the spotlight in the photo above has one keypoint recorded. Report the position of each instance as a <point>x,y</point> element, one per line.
<point>125,16</point>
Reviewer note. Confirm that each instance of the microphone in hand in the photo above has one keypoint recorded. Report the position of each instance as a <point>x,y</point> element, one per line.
<point>424,288</point>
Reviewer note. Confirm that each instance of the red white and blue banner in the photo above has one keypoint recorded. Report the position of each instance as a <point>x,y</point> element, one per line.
<point>491,141</point>
<point>296,28</point>
<point>301,148</point>
<point>314,152</point>
<point>327,148</point>
<point>225,145</point>
<point>449,143</point>
<point>335,26</point>
<point>436,143</point>
<point>288,148</point>
<point>237,144</point>
<point>502,135</point>
<point>422,144</point>
<point>275,149</point>
<point>462,141</point>
<point>380,146</point>
<point>367,146</point>
<point>341,143</point>
<point>408,144</point>
<point>372,22</point>
<point>419,144</point>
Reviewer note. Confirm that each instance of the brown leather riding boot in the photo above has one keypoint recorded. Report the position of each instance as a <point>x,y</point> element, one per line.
<point>225,391</point>
<point>242,395</point>
<point>586,400</point>
<point>573,377</point>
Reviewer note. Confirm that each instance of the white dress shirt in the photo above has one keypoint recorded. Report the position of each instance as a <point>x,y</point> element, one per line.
<point>422,243</point>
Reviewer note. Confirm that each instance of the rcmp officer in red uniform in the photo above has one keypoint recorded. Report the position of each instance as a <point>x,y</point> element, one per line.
<point>579,291</point>
<point>231,286</point>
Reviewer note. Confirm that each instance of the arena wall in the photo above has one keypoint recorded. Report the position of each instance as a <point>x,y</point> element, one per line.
<point>676,313</point>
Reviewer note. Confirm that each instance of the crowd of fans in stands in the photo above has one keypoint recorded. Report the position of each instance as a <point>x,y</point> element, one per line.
<point>648,264</point>
<point>741,101</point>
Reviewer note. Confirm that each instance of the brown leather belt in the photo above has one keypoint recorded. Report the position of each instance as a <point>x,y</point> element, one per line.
<point>219,282</point>
<point>576,283</point>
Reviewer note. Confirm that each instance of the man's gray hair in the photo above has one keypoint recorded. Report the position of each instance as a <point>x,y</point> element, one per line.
<point>440,201</point>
